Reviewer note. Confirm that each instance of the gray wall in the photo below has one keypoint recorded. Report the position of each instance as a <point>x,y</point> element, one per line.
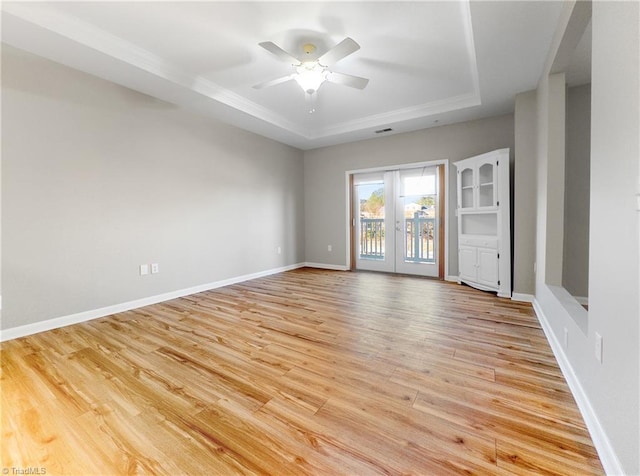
<point>614,275</point>
<point>575,256</point>
<point>553,156</point>
<point>609,391</point>
<point>524,185</point>
<point>324,174</point>
<point>98,179</point>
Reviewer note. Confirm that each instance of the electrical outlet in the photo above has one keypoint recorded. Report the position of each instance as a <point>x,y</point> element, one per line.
<point>144,269</point>
<point>599,347</point>
<point>155,268</point>
<point>566,338</point>
<point>329,248</point>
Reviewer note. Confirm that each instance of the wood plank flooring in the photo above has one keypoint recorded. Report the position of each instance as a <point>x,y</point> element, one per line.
<point>305,372</point>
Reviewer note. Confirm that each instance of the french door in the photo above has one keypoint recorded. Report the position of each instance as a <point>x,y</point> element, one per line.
<point>397,221</point>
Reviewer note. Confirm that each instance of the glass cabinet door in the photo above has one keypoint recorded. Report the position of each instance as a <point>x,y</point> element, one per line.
<point>477,185</point>
<point>486,185</point>
<point>466,184</point>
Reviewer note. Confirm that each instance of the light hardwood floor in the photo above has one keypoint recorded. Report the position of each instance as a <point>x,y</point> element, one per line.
<point>305,372</point>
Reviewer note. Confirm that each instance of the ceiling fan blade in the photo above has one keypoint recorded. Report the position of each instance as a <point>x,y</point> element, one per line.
<point>273,82</point>
<point>342,49</point>
<point>348,80</point>
<point>279,52</point>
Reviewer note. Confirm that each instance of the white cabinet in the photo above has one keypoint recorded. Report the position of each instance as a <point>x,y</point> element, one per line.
<point>484,236</point>
<point>488,267</point>
<point>479,265</point>
<point>468,262</point>
<point>478,184</point>
<point>478,261</point>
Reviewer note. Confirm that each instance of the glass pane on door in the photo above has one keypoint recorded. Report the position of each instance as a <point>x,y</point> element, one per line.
<point>371,201</point>
<point>419,201</point>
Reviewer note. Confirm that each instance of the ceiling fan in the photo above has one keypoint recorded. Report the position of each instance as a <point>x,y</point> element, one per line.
<point>310,74</point>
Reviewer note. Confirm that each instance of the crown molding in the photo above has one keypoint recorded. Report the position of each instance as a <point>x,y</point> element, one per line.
<point>130,54</point>
<point>83,46</point>
<point>413,112</point>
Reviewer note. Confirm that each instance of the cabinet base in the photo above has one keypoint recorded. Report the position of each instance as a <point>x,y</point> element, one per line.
<point>484,287</point>
<point>481,287</point>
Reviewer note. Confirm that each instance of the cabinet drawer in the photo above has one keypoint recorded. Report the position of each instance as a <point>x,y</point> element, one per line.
<point>491,243</point>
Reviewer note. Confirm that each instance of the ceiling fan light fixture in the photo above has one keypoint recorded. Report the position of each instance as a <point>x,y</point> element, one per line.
<point>310,75</point>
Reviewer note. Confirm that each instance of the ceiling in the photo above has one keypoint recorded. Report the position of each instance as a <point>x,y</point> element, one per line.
<point>429,63</point>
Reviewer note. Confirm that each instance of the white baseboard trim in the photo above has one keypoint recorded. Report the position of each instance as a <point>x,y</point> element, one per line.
<point>335,267</point>
<point>607,455</point>
<point>521,297</point>
<point>453,279</point>
<point>49,324</point>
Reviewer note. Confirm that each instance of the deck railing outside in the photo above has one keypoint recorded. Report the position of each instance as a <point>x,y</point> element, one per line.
<point>420,245</point>
<point>372,238</point>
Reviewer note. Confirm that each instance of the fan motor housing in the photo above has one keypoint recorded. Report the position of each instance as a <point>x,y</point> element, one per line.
<point>308,48</point>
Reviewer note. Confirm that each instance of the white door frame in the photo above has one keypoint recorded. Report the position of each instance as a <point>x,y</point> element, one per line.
<point>349,222</point>
<point>408,267</point>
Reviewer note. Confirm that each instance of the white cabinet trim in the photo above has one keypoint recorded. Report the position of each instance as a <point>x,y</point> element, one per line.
<point>485,228</point>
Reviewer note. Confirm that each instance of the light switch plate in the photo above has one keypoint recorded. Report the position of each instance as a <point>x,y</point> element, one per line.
<point>599,347</point>
<point>144,269</point>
